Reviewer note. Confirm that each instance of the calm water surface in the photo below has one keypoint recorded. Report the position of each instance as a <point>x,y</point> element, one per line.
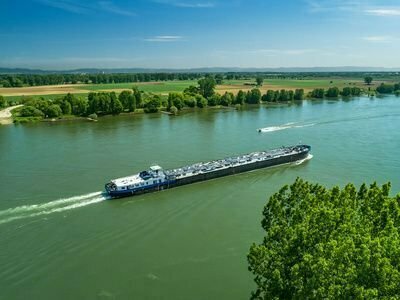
<point>60,239</point>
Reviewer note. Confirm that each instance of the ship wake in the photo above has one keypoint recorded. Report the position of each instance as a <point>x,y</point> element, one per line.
<point>283,127</point>
<point>56,206</point>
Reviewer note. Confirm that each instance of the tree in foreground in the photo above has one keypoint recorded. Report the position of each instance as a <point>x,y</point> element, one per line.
<point>328,244</point>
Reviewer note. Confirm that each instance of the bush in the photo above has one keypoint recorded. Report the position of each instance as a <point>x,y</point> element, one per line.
<point>173,110</point>
<point>30,111</point>
<point>53,111</point>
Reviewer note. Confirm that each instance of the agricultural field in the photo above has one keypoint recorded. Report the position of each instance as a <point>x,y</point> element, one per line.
<point>165,87</point>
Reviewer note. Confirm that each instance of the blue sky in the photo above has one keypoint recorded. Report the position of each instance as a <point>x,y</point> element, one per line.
<point>62,34</point>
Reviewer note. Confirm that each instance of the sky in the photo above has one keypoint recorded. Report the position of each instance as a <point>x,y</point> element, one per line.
<point>68,34</point>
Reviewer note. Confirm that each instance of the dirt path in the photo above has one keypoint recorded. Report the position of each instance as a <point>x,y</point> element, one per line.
<point>6,116</point>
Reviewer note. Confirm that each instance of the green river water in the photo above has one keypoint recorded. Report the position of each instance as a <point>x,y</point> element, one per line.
<point>60,238</point>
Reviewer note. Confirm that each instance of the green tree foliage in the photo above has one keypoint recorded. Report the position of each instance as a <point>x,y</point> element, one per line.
<point>128,100</point>
<point>206,86</point>
<point>153,105</point>
<point>214,100</point>
<point>176,99</point>
<point>116,105</point>
<point>102,103</point>
<point>299,94</point>
<point>368,80</point>
<point>240,98</point>
<point>30,111</point>
<point>3,102</point>
<point>189,100</point>
<point>269,96</point>
<point>317,93</point>
<point>253,96</point>
<point>227,99</point>
<point>65,107</point>
<point>191,90</point>
<point>219,78</point>
<point>201,101</point>
<point>328,244</point>
<point>7,80</point>
<point>385,88</point>
<point>53,111</point>
<point>259,80</point>
<point>332,92</point>
<point>138,98</point>
<point>173,110</point>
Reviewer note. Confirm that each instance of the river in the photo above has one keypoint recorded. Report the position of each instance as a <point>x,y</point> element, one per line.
<point>61,239</point>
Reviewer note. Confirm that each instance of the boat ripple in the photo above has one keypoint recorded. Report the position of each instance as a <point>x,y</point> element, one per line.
<point>60,205</point>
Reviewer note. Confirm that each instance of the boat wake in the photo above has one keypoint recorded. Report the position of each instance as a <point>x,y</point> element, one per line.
<point>283,127</point>
<point>60,205</point>
<point>299,162</point>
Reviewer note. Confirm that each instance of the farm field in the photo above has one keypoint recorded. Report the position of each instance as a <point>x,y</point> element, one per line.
<point>166,87</point>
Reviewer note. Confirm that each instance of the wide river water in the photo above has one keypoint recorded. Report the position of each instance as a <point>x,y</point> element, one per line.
<point>61,239</point>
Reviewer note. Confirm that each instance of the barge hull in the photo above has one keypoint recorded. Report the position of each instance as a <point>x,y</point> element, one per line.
<point>213,174</point>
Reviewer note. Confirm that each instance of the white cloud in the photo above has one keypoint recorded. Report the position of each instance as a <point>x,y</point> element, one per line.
<point>164,38</point>
<point>109,6</point>
<point>76,7</point>
<point>383,12</point>
<point>379,38</point>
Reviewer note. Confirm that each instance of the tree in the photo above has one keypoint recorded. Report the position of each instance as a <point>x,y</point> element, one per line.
<point>214,100</point>
<point>138,97</point>
<point>65,107</point>
<point>123,97</point>
<point>385,88</point>
<point>259,80</point>
<point>253,96</point>
<point>219,78</point>
<point>116,105</point>
<point>153,105</point>
<point>368,80</point>
<point>299,94</point>
<point>189,100</point>
<point>53,111</point>
<point>201,101</point>
<point>318,93</point>
<point>176,99</point>
<point>30,111</point>
<point>328,244</point>
<point>206,86</point>
<point>269,96</point>
<point>240,98</point>
<point>346,92</point>
<point>3,102</point>
<point>191,90</point>
<point>332,92</point>
<point>227,99</point>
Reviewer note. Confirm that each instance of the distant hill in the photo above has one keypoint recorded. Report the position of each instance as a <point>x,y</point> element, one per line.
<point>198,70</point>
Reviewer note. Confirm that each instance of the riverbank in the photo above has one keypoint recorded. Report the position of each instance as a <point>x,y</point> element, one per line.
<point>6,115</point>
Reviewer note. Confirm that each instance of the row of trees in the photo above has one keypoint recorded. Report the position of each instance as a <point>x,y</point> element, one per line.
<point>283,95</point>
<point>50,79</point>
<point>324,243</point>
<point>388,88</point>
<point>334,92</point>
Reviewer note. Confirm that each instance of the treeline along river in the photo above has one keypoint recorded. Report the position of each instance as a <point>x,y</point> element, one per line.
<point>61,239</point>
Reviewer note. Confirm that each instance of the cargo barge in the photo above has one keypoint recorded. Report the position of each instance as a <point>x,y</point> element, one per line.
<point>156,179</point>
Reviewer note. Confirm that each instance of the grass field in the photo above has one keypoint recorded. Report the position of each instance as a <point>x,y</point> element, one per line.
<point>165,87</point>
